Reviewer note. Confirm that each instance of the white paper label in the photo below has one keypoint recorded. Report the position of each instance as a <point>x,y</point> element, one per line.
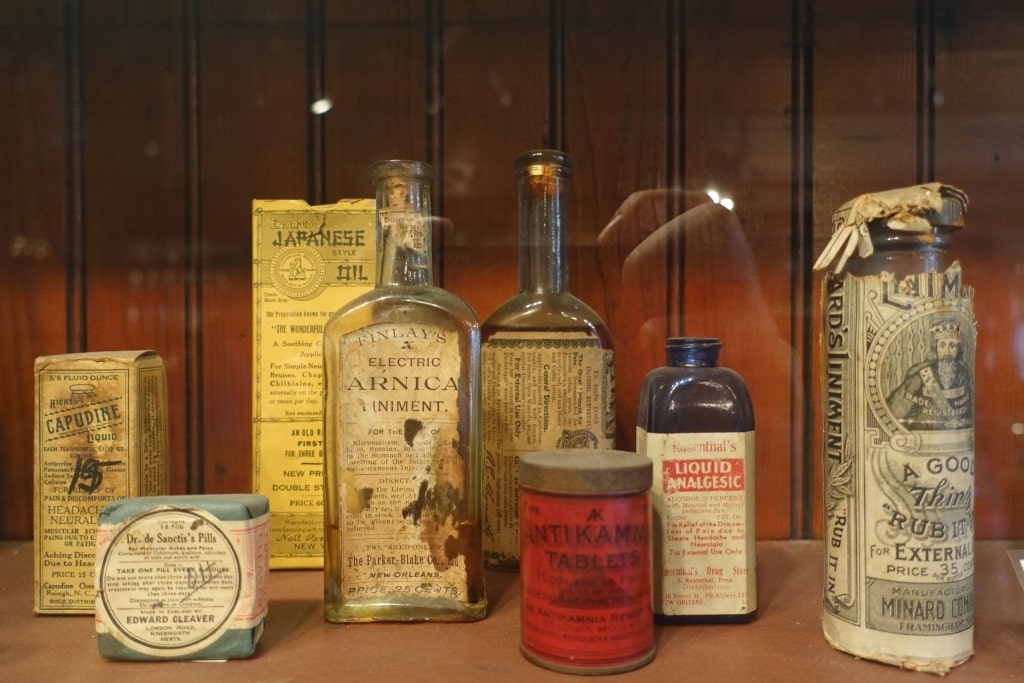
<point>899,468</point>
<point>541,391</point>
<point>172,580</point>
<point>703,504</point>
<point>402,478</point>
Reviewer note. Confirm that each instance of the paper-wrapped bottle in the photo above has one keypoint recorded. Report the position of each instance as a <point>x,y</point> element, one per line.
<point>899,342</point>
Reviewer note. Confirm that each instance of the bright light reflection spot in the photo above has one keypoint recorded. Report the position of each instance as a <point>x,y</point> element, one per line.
<point>717,198</point>
<point>321,106</point>
<point>1017,428</point>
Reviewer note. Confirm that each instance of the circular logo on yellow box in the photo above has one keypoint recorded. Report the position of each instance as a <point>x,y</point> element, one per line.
<point>298,272</point>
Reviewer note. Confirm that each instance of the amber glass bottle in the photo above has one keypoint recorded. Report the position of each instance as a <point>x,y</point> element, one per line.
<point>401,426</point>
<point>695,420</point>
<point>548,359</point>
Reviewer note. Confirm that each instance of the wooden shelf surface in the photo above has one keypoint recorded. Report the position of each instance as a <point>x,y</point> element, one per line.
<point>783,644</point>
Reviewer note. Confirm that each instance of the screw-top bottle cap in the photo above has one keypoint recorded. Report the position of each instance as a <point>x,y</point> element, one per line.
<point>951,215</point>
<point>693,350</point>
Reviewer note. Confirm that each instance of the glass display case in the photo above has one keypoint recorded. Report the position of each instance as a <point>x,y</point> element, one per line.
<point>712,143</point>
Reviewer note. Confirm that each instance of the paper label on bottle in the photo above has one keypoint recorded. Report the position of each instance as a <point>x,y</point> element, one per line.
<point>703,502</point>
<point>171,580</point>
<point>406,229</point>
<point>899,467</point>
<point>308,261</point>
<point>541,391</point>
<point>403,468</point>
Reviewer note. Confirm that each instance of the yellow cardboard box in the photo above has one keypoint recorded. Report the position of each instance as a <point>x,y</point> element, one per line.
<point>307,262</point>
<point>100,435</point>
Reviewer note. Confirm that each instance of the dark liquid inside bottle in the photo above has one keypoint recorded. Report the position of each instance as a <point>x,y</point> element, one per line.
<point>693,395</point>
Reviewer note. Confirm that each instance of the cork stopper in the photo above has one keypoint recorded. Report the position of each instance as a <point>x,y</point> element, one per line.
<point>583,472</point>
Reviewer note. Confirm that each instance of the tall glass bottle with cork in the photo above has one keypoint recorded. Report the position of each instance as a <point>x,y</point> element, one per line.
<point>548,359</point>
<point>695,420</point>
<point>401,426</point>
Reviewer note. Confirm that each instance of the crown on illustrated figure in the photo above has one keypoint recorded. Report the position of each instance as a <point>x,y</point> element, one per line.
<point>946,329</point>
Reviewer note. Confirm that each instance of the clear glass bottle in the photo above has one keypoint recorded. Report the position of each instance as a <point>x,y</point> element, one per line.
<point>899,343</point>
<point>548,358</point>
<point>401,426</point>
<point>695,420</point>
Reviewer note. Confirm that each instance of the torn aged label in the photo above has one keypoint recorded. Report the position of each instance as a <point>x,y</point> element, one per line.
<point>402,475</point>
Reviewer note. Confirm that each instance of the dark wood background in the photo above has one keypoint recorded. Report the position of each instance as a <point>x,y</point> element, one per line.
<point>136,134</point>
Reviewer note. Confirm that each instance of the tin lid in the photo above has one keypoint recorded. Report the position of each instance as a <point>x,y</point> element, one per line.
<point>585,472</point>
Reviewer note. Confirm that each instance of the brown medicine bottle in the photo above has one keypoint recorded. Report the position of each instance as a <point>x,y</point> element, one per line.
<point>547,358</point>
<point>695,420</point>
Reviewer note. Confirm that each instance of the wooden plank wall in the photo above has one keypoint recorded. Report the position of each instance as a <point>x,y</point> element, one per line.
<point>136,135</point>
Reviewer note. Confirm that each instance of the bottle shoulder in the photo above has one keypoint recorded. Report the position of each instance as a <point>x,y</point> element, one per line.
<point>678,382</point>
<point>674,399</point>
<point>547,311</point>
<point>403,304</point>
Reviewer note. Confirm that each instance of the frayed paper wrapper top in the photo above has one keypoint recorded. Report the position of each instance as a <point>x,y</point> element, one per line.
<point>912,209</point>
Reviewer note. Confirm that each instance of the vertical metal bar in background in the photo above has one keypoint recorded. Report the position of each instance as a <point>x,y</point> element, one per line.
<point>675,164</point>
<point>435,121</point>
<point>925,91</point>
<point>556,75</point>
<point>316,153</point>
<point>74,181</point>
<point>195,470</point>
<point>802,281</point>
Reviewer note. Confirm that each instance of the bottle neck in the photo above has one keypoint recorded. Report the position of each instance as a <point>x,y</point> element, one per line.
<point>543,184</point>
<point>403,223</point>
<point>698,352</point>
<point>901,252</point>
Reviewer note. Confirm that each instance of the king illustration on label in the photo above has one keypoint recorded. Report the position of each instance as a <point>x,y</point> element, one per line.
<point>918,446</point>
